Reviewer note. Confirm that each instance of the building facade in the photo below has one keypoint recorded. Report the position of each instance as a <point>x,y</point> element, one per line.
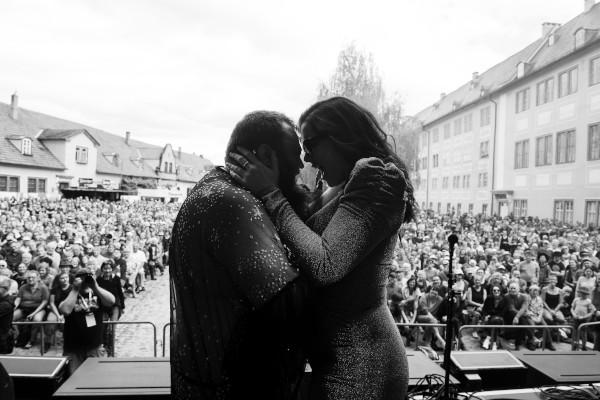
<point>45,156</point>
<point>524,136</point>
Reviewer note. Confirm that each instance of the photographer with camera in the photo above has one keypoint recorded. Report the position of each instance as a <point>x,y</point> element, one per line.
<point>83,309</point>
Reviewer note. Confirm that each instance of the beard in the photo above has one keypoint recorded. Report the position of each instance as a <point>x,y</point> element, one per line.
<point>299,196</point>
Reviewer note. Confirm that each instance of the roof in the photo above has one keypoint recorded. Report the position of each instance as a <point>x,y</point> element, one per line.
<point>64,134</point>
<point>538,55</point>
<point>11,132</point>
<point>114,155</point>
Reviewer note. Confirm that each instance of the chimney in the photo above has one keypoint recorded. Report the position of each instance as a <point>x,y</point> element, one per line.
<point>475,76</point>
<point>127,136</point>
<point>548,27</point>
<point>179,152</point>
<point>14,106</point>
<point>442,95</point>
<point>588,5</point>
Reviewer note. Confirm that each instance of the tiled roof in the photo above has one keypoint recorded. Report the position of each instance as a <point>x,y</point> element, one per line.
<point>10,130</point>
<point>63,134</point>
<point>538,54</point>
<point>129,158</point>
<point>191,166</point>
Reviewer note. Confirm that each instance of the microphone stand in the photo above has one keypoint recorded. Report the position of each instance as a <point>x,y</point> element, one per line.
<point>452,240</point>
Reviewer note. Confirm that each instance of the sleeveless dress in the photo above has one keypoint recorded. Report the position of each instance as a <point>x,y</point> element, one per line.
<point>346,251</point>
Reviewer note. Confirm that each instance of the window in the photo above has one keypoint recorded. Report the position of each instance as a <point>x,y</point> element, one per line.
<point>484,149</point>
<point>445,182</point>
<point>484,116</point>
<point>592,213</point>
<point>470,208</point>
<point>563,211</point>
<point>545,91</point>
<point>9,183</point>
<point>425,162</point>
<point>434,183</point>
<point>520,208</point>
<point>447,131</point>
<point>458,208</point>
<point>466,181</point>
<point>170,167</point>
<point>455,182</point>
<point>595,71</point>
<point>436,160</point>
<point>457,126</point>
<point>483,179</point>
<point>565,147</point>
<point>448,208</point>
<point>484,208</point>
<point>594,142</point>
<point>567,82</point>
<point>81,154</point>
<point>439,208</point>
<point>522,154</point>
<point>543,152</point>
<point>522,100</point>
<point>26,147</point>
<point>435,135</point>
<point>468,122</point>
<point>36,185</point>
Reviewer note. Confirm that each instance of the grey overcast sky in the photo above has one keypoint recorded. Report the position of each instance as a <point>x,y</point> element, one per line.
<point>184,72</point>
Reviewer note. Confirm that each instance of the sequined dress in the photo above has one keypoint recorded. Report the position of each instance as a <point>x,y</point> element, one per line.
<point>232,296</point>
<point>346,251</point>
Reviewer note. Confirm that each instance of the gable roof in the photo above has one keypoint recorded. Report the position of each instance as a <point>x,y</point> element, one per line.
<point>64,134</point>
<point>538,55</point>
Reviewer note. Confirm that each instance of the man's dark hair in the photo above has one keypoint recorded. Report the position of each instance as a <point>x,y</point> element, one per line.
<point>268,127</point>
<point>46,260</point>
<point>259,127</point>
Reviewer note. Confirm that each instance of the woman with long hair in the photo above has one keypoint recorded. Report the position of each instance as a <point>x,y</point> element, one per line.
<point>346,247</point>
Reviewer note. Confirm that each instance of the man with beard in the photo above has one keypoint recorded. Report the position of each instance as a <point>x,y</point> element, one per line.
<point>235,298</point>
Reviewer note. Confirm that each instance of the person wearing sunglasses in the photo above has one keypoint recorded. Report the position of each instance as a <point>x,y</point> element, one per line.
<point>346,247</point>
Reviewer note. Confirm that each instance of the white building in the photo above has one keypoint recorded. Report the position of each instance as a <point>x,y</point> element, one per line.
<point>45,156</point>
<point>524,136</point>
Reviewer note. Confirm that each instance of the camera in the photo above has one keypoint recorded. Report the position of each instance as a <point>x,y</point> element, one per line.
<point>85,276</point>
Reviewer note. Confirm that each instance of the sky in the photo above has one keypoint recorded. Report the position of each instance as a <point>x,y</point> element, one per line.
<point>184,72</point>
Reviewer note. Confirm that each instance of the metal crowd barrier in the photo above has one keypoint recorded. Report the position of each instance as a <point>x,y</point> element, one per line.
<point>42,331</point>
<point>164,337</point>
<point>134,323</point>
<point>43,323</point>
<point>583,328</point>
<point>483,326</point>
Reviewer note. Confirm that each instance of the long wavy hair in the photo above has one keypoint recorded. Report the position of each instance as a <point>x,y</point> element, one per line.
<point>357,134</point>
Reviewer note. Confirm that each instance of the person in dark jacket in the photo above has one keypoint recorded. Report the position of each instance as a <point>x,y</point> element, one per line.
<point>6,317</point>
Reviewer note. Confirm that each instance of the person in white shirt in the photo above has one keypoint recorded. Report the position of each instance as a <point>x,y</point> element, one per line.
<point>137,260</point>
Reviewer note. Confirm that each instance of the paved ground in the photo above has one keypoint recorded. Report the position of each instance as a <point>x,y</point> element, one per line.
<point>132,340</point>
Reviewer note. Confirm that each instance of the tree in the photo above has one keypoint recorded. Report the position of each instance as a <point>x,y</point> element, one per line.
<point>356,77</point>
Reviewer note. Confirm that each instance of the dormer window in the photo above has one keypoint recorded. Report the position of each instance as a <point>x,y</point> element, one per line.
<point>521,69</point>
<point>26,147</point>
<point>579,37</point>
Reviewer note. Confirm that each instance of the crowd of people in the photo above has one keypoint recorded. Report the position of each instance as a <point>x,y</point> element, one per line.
<point>506,271</point>
<point>87,248</point>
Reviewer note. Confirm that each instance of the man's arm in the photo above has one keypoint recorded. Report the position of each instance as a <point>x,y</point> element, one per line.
<point>67,305</point>
<point>244,240</point>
